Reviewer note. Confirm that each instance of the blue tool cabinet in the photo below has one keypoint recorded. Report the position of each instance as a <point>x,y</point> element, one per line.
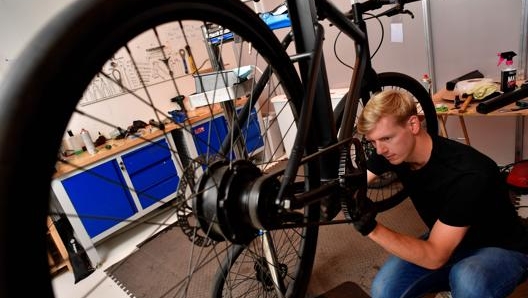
<point>100,204</point>
<point>208,135</point>
<point>118,190</point>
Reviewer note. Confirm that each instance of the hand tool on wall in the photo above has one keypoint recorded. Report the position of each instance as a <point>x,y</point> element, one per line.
<point>192,65</point>
<point>116,74</point>
<point>184,61</point>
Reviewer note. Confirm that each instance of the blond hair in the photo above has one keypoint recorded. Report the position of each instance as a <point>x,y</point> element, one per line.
<point>386,103</point>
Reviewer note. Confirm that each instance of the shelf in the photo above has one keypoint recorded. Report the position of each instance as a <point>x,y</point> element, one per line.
<point>217,34</point>
<point>58,258</point>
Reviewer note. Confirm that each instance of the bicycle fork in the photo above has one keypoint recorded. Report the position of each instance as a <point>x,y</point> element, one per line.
<point>272,264</point>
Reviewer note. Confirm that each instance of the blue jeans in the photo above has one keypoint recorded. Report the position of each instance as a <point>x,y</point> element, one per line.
<point>486,272</point>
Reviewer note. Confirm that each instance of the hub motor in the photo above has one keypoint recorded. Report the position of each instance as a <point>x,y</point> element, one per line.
<point>230,204</point>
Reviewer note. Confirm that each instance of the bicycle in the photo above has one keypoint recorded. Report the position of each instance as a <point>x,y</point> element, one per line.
<point>260,214</point>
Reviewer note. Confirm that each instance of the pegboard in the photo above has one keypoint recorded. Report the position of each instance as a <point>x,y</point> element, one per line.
<point>144,60</point>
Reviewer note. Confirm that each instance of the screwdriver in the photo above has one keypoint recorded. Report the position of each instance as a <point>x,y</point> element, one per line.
<point>192,65</point>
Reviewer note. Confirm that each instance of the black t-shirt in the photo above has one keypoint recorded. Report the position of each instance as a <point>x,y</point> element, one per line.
<point>461,187</point>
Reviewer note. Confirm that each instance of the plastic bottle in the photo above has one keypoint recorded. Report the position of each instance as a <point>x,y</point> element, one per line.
<point>74,143</point>
<point>88,142</point>
<point>508,72</point>
<point>426,82</point>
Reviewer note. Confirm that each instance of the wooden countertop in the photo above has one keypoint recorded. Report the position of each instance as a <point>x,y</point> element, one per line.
<point>445,97</point>
<point>76,162</point>
<point>80,161</point>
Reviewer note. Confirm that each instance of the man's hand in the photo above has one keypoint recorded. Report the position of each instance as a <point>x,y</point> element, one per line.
<point>364,217</point>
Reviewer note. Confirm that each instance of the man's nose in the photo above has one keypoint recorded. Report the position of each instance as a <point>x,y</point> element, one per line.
<point>380,149</point>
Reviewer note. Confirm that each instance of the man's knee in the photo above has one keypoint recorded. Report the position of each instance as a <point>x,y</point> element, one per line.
<point>471,278</point>
<point>381,287</point>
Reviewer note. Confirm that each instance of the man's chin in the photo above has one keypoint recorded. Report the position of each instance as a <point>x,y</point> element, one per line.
<point>395,161</point>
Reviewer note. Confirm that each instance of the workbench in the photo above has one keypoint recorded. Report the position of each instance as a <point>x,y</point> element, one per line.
<point>506,111</point>
<point>103,193</point>
<point>128,179</point>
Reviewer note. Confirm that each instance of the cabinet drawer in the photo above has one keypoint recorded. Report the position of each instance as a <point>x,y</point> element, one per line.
<point>100,197</point>
<point>209,135</point>
<point>153,174</point>
<point>146,156</point>
<point>252,133</point>
<point>159,191</point>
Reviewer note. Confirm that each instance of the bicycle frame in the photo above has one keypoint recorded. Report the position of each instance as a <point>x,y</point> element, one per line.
<point>316,106</point>
<point>323,150</point>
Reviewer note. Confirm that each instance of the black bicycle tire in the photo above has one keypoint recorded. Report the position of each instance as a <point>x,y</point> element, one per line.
<point>234,254</point>
<point>404,82</point>
<point>30,87</point>
<point>414,87</point>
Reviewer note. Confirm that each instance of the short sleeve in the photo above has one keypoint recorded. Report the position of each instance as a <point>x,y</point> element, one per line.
<point>465,199</point>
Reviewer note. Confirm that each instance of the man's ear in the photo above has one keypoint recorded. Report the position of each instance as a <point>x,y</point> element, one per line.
<point>415,124</point>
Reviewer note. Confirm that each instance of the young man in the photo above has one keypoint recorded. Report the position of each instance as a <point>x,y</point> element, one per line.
<point>476,245</point>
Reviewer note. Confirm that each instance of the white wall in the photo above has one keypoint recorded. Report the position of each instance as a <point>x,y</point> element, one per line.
<point>20,20</point>
<point>466,36</point>
<point>391,56</point>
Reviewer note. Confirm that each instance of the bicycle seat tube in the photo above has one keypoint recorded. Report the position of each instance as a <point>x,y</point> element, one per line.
<point>353,25</point>
<point>321,132</point>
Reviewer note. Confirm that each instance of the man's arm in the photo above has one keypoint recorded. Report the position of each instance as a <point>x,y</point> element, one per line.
<point>370,177</point>
<point>431,253</point>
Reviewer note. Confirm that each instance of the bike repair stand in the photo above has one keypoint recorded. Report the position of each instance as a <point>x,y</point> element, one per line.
<point>347,289</point>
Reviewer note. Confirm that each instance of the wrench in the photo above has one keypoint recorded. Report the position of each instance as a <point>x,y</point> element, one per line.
<point>182,54</point>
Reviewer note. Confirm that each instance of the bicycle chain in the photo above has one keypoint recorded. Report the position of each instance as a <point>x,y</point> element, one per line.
<point>350,193</point>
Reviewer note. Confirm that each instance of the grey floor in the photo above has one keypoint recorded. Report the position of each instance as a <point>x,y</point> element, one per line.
<point>98,285</point>
<point>343,255</point>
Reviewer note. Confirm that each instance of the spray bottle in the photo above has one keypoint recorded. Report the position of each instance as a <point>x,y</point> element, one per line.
<point>509,72</point>
<point>88,142</point>
<point>426,82</point>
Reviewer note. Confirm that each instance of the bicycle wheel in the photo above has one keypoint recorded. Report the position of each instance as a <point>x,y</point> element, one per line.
<point>387,192</point>
<point>107,65</point>
<point>246,272</point>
